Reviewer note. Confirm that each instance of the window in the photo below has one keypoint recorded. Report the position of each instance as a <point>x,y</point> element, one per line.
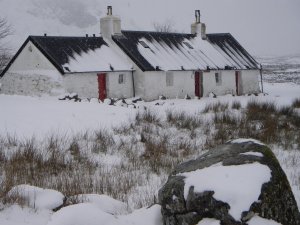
<point>218,78</point>
<point>169,78</point>
<point>121,79</point>
<point>188,45</point>
<point>144,44</point>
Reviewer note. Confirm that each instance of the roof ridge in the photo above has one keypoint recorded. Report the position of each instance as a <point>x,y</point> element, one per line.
<point>156,32</point>
<point>42,36</point>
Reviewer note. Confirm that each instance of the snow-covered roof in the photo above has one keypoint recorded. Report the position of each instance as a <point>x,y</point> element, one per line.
<point>78,54</point>
<point>150,51</point>
<point>177,51</point>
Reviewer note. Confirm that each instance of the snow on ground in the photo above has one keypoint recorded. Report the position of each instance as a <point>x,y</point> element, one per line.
<point>40,116</point>
<point>38,198</point>
<point>83,213</point>
<point>31,116</point>
<point>105,203</point>
<point>17,215</point>
<point>230,184</point>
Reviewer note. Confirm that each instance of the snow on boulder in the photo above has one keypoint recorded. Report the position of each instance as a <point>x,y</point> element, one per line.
<point>121,102</point>
<point>38,198</point>
<point>105,203</point>
<point>208,221</point>
<point>229,184</point>
<point>107,101</point>
<point>232,184</point>
<point>80,214</point>
<point>256,220</point>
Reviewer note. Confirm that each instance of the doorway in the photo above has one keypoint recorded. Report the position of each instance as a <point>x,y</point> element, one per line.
<point>198,84</point>
<point>238,85</point>
<point>102,86</point>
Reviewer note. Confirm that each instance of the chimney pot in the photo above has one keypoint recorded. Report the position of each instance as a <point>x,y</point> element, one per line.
<point>94,35</point>
<point>109,10</point>
<point>203,31</point>
<point>45,34</point>
<point>197,15</point>
<point>86,35</point>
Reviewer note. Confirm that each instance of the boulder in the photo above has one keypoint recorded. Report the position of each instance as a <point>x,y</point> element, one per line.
<point>234,183</point>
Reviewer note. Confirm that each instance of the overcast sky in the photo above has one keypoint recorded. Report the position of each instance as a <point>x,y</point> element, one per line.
<point>263,27</point>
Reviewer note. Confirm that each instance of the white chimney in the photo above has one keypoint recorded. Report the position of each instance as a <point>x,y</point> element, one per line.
<point>110,25</point>
<point>198,27</point>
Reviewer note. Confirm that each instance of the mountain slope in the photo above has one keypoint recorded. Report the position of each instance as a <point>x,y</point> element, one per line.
<point>253,23</point>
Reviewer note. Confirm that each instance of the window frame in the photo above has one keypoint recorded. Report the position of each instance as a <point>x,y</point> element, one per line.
<point>169,79</point>
<point>121,78</point>
<point>218,78</point>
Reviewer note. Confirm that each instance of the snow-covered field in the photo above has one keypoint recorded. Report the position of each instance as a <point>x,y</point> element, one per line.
<point>40,117</point>
<point>26,117</point>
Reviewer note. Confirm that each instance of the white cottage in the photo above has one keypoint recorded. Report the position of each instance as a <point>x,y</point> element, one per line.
<point>123,64</point>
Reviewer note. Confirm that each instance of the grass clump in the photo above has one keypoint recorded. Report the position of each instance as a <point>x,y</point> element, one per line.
<point>183,121</point>
<point>236,105</point>
<point>215,107</point>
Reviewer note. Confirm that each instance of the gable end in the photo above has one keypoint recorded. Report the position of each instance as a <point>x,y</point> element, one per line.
<point>58,67</point>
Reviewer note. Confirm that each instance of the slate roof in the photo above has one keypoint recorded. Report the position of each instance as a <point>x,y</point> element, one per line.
<point>150,51</point>
<point>60,51</point>
<point>177,51</point>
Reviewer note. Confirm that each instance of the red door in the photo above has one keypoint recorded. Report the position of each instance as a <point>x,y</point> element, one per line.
<point>102,86</point>
<point>237,82</point>
<point>198,84</point>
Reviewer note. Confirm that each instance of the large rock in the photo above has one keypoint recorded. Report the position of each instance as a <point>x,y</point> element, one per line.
<point>236,183</point>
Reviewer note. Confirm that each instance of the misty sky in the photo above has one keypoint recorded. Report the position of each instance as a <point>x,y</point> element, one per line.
<point>263,27</point>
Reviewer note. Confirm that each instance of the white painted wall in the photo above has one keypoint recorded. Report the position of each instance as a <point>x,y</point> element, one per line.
<point>31,74</point>
<point>116,90</point>
<point>31,60</point>
<point>250,81</point>
<point>155,85</point>
<point>30,84</point>
<point>184,83</point>
<point>139,82</point>
<point>86,85</point>
<point>227,83</point>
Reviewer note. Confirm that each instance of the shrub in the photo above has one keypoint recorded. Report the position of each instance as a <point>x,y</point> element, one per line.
<point>259,110</point>
<point>286,111</point>
<point>296,103</point>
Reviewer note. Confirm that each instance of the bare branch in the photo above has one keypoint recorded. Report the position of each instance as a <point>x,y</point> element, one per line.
<point>167,26</point>
<point>4,59</point>
<point>5,28</point>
